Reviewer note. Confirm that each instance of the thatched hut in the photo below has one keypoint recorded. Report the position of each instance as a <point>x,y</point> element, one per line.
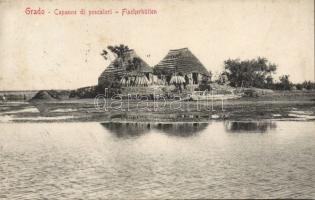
<point>129,70</point>
<point>181,62</point>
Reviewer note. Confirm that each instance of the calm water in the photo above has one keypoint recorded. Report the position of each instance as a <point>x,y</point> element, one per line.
<point>215,160</point>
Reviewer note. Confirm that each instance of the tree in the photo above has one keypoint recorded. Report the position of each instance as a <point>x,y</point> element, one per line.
<point>222,79</point>
<point>285,83</point>
<point>113,84</point>
<point>308,85</point>
<point>104,54</point>
<point>249,73</point>
<point>119,51</point>
<point>130,66</point>
<point>205,84</point>
<point>137,63</point>
<point>134,64</point>
<point>269,82</point>
<point>299,86</point>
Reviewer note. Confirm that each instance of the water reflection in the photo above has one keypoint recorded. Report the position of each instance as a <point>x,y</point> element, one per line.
<point>137,129</point>
<point>87,161</point>
<point>249,127</point>
<point>182,129</point>
<point>127,129</point>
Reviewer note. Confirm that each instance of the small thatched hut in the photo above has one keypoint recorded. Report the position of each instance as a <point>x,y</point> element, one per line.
<point>129,70</point>
<point>181,62</point>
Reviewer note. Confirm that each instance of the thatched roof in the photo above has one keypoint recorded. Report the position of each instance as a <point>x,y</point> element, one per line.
<point>180,61</point>
<point>118,67</point>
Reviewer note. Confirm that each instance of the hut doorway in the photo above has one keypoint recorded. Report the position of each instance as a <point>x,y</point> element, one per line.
<point>147,75</point>
<point>195,78</point>
<point>168,78</point>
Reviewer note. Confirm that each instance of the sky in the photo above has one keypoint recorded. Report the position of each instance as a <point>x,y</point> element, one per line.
<point>63,52</point>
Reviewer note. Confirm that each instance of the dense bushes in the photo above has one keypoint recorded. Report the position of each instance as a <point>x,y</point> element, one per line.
<point>285,84</point>
<point>85,92</point>
<point>308,85</point>
<point>113,85</point>
<point>249,73</point>
<point>257,73</point>
<point>205,84</point>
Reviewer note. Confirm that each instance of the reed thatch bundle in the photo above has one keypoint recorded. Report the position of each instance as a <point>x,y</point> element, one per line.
<point>141,81</point>
<point>125,81</point>
<point>177,80</point>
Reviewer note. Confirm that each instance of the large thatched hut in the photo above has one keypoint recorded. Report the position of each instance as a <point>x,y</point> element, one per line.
<point>181,63</point>
<point>129,69</point>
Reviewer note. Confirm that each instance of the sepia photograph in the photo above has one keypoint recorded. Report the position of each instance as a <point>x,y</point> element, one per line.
<point>143,99</point>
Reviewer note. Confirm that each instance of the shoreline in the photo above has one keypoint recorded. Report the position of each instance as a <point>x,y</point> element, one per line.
<point>290,108</point>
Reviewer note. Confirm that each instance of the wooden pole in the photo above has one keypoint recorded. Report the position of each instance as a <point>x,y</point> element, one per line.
<point>212,100</point>
<point>222,104</point>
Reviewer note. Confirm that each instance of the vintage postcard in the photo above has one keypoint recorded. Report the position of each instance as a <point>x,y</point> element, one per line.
<point>150,99</point>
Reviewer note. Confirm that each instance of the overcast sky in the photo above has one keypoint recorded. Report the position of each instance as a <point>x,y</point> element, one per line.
<point>63,52</point>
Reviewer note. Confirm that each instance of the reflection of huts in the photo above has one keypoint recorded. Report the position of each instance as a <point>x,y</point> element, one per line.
<point>182,129</point>
<point>254,127</point>
<point>127,129</point>
<point>129,69</point>
<point>138,129</point>
<point>181,62</point>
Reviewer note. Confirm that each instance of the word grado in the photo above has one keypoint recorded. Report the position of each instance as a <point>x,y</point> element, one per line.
<point>31,11</point>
